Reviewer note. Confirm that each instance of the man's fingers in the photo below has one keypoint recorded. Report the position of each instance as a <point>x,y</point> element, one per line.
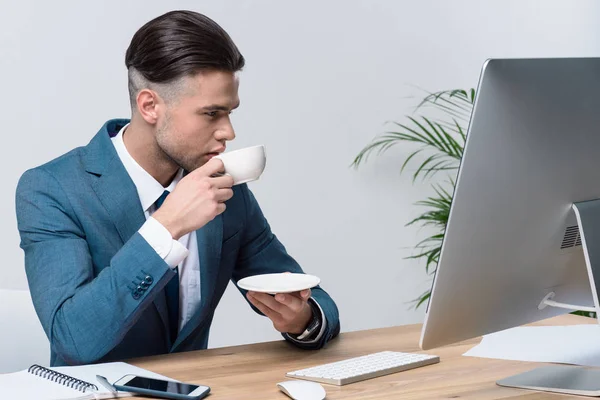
<point>271,314</point>
<point>221,182</point>
<point>214,169</point>
<point>270,302</point>
<point>303,294</point>
<point>214,166</point>
<point>293,302</point>
<point>224,195</point>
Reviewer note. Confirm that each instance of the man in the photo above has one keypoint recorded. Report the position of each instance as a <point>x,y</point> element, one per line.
<point>130,241</point>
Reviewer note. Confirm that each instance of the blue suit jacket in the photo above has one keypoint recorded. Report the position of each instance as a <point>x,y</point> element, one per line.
<point>97,285</point>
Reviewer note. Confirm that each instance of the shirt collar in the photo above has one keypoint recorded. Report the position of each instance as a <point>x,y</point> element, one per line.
<point>148,188</point>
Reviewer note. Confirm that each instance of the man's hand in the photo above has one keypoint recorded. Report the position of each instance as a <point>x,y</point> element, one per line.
<point>197,199</point>
<point>289,312</point>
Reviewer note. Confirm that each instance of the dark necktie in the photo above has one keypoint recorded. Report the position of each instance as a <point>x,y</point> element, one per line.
<point>171,289</point>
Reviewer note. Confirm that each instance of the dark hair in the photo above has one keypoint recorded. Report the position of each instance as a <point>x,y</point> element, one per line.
<point>181,43</point>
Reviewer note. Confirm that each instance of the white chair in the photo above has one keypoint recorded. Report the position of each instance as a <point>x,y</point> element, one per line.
<point>22,339</point>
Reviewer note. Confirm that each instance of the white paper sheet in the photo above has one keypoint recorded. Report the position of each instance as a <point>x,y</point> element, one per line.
<point>574,344</point>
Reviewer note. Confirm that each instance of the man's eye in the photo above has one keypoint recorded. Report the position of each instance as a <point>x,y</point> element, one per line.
<point>212,114</point>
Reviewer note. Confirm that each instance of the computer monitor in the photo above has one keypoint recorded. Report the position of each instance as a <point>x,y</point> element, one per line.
<point>522,241</point>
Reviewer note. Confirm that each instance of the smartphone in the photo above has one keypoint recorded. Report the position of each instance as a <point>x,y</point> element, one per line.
<point>161,388</point>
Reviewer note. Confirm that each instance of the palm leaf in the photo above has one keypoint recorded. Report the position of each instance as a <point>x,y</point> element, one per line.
<point>450,108</point>
<point>429,138</point>
<point>437,167</point>
<point>421,299</point>
<point>424,164</point>
<point>409,158</point>
<point>455,100</point>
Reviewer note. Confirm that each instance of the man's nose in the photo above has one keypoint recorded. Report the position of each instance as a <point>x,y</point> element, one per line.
<point>226,131</point>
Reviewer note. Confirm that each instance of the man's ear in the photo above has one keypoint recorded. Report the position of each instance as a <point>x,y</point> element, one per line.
<point>148,102</point>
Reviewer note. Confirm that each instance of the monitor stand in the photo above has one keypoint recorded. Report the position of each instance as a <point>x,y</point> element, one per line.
<point>566,379</point>
<point>576,380</point>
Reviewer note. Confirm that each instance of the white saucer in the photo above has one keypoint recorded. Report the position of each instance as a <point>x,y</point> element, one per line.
<point>278,283</point>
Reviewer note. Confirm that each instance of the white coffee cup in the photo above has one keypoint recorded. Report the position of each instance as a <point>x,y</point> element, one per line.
<point>244,165</point>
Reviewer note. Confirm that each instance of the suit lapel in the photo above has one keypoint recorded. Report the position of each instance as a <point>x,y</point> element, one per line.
<point>209,239</point>
<point>117,193</point>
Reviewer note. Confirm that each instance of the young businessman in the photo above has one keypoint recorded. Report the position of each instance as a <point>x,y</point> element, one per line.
<point>131,240</point>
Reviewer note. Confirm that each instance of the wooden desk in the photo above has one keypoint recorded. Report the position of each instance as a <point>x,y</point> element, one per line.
<point>251,371</point>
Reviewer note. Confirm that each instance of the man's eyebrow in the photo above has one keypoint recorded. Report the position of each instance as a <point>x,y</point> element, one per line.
<point>218,107</point>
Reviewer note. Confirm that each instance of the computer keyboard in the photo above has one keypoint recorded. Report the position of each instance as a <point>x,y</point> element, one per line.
<point>365,367</point>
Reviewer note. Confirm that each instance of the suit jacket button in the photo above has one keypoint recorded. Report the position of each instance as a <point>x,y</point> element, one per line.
<point>149,280</point>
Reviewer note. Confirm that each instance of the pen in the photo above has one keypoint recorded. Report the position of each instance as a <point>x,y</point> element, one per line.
<point>106,384</point>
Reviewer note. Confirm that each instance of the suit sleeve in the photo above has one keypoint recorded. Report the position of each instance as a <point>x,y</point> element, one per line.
<point>262,253</point>
<point>84,316</point>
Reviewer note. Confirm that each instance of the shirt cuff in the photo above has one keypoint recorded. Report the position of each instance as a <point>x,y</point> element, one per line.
<point>321,330</point>
<point>159,238</point>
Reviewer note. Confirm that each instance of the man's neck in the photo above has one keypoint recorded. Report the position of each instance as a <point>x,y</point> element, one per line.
<point>141,144</point>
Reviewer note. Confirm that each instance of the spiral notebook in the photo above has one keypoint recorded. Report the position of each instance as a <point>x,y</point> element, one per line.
<point>68,383</point>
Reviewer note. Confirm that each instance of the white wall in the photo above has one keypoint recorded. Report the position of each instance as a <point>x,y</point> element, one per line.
<point>321,79</point>
<point>22,339</point>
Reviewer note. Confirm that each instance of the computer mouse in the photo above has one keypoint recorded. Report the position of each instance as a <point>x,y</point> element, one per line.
<point>302,390</point>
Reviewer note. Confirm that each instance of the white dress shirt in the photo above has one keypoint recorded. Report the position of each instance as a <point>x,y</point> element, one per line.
<point>183,252</point>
